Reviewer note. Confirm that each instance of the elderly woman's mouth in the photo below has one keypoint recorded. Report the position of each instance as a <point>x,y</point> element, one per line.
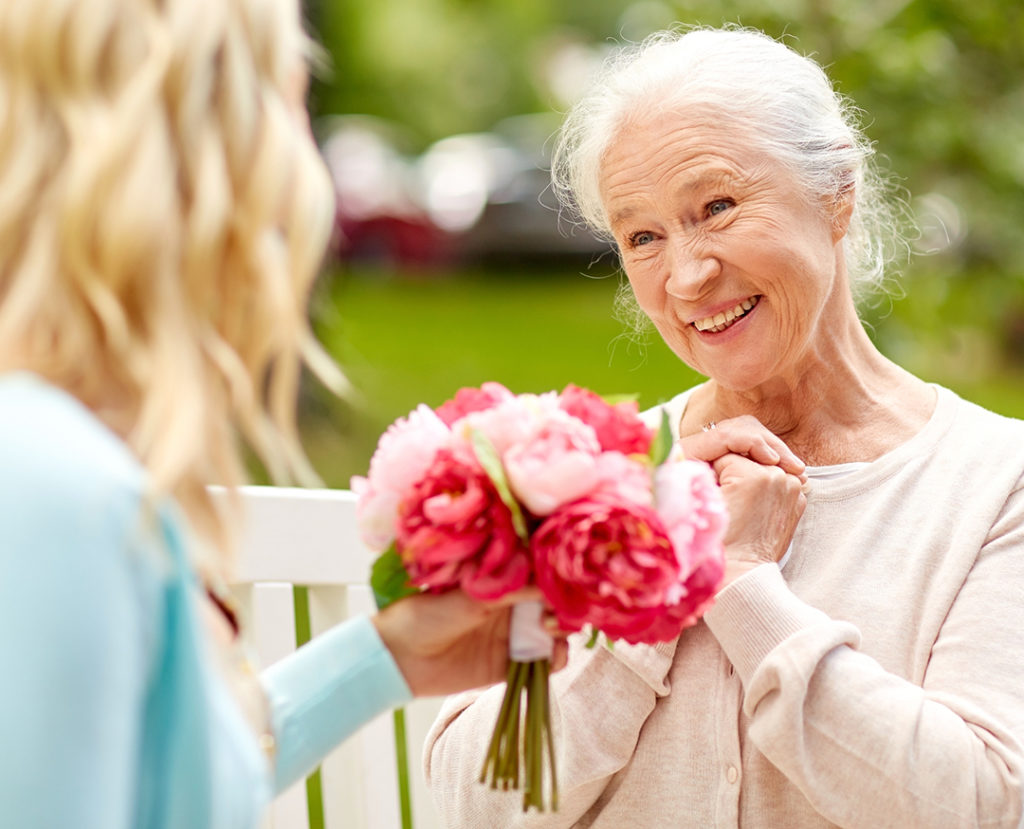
<point>724,319</point>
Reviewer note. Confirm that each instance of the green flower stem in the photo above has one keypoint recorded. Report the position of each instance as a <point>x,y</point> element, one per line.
<point>545,666</point>
<point>533,794</point>
<point>509,768</point>
<point>523,734</point>
<point>508,703</point>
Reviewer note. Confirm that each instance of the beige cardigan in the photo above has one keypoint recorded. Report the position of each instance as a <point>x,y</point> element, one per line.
<point>876,681</point>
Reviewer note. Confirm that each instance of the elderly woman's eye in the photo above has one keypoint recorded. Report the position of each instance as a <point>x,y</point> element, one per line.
<point>642,237</point>
<point>719,206</point>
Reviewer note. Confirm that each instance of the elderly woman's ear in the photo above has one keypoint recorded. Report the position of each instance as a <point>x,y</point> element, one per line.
<point>839,205</point>
<point>840,210</point>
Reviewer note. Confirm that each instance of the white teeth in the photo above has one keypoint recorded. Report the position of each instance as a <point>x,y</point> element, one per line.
<point>722,320</point>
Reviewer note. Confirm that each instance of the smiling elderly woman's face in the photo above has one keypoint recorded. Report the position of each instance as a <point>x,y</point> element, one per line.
<point>740,272</point>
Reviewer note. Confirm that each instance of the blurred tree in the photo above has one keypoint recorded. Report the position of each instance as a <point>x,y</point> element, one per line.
<point>438,66</point>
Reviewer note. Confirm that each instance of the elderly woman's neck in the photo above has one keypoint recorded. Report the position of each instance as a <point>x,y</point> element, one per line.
<point>845,402</point>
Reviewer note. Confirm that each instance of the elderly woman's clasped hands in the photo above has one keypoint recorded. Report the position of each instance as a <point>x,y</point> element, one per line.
<point>763,483</point>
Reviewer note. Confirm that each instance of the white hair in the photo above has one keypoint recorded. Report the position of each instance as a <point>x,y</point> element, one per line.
<point>782,99</point>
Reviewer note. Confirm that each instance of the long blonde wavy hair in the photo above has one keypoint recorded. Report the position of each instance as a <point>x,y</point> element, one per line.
<point>163,212</point>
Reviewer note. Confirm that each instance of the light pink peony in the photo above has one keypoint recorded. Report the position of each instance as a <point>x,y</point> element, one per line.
<point>471,399</point>
<point>623,477</point>
<point>510,422</point>
<point>618,427</point>
<point>404,452</point>
<point>690,504</point>
<point>553,465</point>
<point>454,530</point>
<point>609,563</point>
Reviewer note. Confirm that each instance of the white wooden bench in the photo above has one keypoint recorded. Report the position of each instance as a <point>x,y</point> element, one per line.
<point>303,538</point>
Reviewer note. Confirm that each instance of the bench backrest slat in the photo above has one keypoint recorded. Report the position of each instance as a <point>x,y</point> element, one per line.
<point>308,538</point>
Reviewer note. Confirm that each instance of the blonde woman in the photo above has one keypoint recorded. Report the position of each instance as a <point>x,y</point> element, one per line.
<point>162,212</point>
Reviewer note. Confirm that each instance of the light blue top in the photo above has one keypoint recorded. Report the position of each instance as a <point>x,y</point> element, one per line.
<point>111,711</point>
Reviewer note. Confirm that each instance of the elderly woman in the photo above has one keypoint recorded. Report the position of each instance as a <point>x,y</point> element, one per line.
<point>860,666</point>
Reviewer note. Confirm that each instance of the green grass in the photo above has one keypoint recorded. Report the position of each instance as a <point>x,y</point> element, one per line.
<point>407,339</point>
<point>404,341</point>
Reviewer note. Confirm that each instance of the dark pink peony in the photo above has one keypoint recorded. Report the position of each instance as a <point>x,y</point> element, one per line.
<point>608,562</point>
<point>701,586</point>
<point>454,531</point>
<point>618,426</point>
<point>471,399</point>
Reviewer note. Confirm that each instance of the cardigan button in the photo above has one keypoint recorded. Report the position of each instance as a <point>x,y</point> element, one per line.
<point>732,774</point>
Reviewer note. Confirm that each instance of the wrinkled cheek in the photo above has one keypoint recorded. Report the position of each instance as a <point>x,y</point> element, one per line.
<point>680,339</point>
<point>645,294</point>
<point>650,298</point>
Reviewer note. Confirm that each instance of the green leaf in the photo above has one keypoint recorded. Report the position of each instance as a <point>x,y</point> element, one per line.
<point>489,460</point>
<point>662,443</point>
<point>615,399</point>
<point>595,637</point>
<point>389,579</point>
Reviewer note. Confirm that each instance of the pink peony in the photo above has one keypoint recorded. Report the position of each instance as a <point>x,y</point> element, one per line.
<point>470,399</point>
<point>623,477</point>
<point>510,422</point>
<point>618,426</point>
<point>609,563</point>
<point>691,506</point>
<point>403,454</point>
<point>554,465</point>
<point>454,530</point>
<point>376,512</point>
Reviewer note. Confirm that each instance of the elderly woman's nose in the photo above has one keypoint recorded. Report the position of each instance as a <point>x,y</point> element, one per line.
<point>690,273</point>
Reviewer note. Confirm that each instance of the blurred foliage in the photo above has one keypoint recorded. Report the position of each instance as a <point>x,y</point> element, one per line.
<point>941,86</point>
<point>941,83</point>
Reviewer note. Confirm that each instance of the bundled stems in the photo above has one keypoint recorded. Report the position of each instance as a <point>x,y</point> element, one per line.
<point>531,738</point>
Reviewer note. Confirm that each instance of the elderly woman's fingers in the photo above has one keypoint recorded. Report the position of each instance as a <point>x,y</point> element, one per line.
<point>765,505</point>
<point>744,436</point>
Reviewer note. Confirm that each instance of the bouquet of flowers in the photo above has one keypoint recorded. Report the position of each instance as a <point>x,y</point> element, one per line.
<point>493,491</point>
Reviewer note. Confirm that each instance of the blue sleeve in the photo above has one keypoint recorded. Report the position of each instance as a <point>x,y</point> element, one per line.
<point>325,691</point>
<point>74,636</point>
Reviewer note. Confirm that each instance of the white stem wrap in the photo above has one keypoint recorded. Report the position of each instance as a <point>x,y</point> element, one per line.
<point>528,641</point>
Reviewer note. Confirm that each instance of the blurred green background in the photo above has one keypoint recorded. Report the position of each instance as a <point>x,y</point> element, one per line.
<point>941,83</point>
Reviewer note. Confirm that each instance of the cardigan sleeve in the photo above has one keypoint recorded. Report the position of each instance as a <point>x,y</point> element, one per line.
<point>866,747</point>
<point>599,703</point>
<point>326,690</point>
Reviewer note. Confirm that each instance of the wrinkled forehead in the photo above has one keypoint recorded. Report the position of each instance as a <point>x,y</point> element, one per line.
<point>701,142</point>
<point>657,125</point>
